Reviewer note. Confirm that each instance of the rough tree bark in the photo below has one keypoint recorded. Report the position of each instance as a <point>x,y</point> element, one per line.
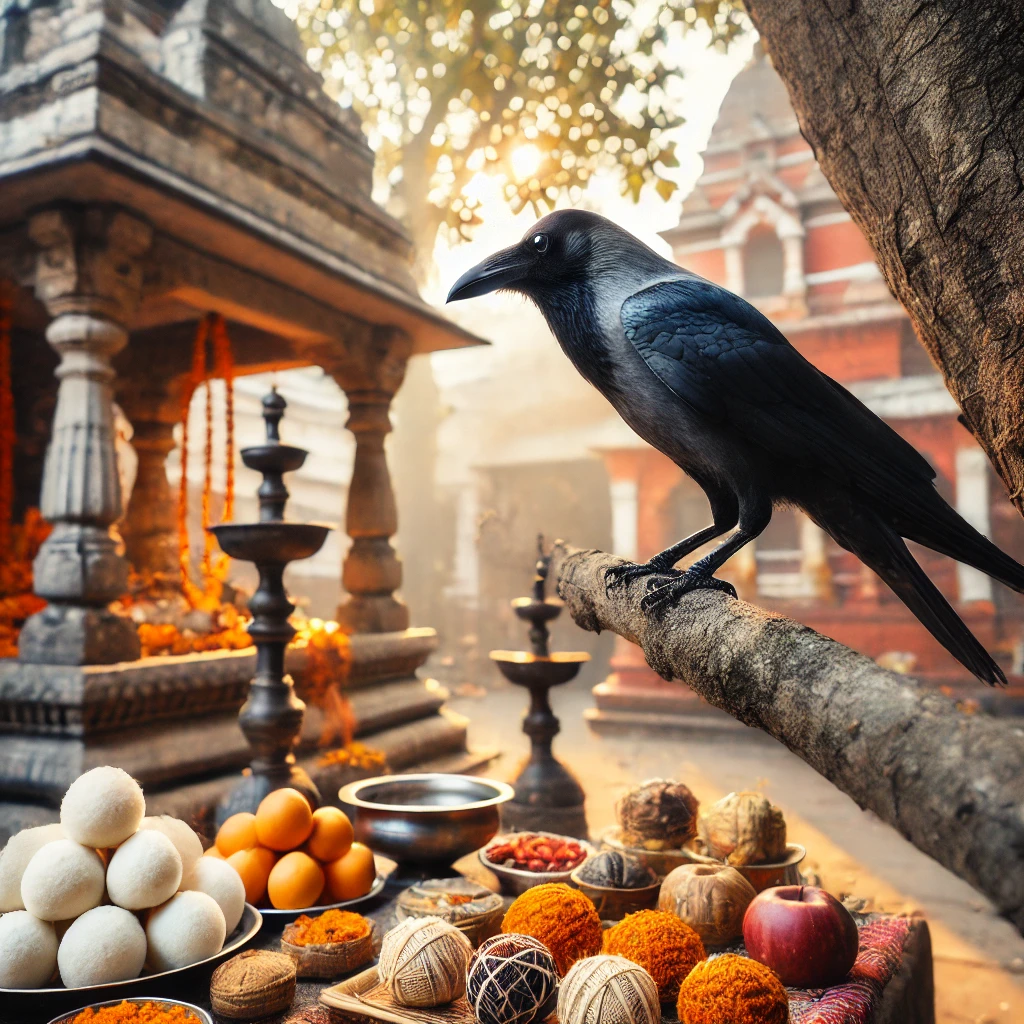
<point>952,783</point>
<point>915,112</point>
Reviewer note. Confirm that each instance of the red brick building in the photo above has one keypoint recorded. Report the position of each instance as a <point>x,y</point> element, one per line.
<point>763,221</point>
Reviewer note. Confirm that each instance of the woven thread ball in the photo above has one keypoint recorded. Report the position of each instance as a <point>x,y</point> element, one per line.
<point>423,962</point>
<point>661,944</point>
<point>608,990</point>
<point>732,988</point>
<point>512,979</point>
<point>563,919</point>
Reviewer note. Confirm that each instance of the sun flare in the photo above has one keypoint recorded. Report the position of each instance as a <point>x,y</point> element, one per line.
<point>525,161</point>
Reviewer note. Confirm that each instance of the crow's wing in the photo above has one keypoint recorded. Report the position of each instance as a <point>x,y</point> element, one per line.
<point>730,363</point>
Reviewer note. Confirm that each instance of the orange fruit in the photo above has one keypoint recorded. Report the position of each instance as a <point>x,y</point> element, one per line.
<point>284,820</point>
<point>296,882</point>
<point>237,833</point>
<point>331,836</point>
<point>214,852</point>
<point>352,875</point>
<point>253,867</point>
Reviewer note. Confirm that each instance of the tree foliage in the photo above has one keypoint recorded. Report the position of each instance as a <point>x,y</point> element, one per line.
<point>447,88</point>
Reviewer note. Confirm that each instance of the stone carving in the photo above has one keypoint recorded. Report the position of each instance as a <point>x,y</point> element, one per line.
<point>372,572</point>
<point>89,277</point>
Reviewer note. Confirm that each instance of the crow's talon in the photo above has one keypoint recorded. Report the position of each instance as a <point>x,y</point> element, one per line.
<point>667,596</point>
<point>628,572</point>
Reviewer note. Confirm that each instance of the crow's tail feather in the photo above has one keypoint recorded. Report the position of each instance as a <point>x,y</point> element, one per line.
<point>884,551</point>
<point>946,531</point>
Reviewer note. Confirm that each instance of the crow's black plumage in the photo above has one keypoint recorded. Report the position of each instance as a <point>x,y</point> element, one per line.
<point>708,380</point>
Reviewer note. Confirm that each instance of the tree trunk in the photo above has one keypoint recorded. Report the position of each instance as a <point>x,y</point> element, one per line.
<point>951,782</point>
<point>915,112</point>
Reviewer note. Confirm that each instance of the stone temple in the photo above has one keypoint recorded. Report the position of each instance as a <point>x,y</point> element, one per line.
<point>161,160</point>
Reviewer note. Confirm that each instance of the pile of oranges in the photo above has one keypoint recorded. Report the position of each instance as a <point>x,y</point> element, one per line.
<point>295,857</point>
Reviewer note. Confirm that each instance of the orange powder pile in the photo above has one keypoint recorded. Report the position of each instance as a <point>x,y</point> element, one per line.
<point>330,926</point>
<point>661,944</point>
<point>135,1013</point>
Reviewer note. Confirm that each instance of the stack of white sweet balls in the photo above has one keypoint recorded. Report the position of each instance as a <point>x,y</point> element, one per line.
<point>108,892</point>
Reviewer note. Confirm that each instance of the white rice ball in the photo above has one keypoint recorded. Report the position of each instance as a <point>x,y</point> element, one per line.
<point>103,945</point>
<point>188,928</point>
<point>28,950</point>
<point>102,808</point>
<point>217,878</point>
<point>63,879</point>
<point>14,859</point>
<point>186,842</point>
<point>145,871</point>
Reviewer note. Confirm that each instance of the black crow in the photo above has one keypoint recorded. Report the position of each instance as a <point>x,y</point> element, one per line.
<point>709,381</point>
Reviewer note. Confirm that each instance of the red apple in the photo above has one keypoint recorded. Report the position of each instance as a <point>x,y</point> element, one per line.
<point>807,937</point>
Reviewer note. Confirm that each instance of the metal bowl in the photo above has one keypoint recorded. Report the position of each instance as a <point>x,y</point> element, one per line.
<point>431,819</point>
<point>200,1015</point>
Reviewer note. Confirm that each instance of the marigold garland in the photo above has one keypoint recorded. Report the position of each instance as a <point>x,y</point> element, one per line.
<point>560,917</point>
<point>661,944</point>
<point>211,330</point>
<point>735,989</point>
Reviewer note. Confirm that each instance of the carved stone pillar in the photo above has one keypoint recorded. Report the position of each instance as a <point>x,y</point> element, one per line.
<point>372,572</point>
<point>89,277</point>
<point>150,527</point>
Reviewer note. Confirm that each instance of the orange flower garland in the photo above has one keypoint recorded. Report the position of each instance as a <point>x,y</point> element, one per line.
<point>661,944</point>
<point>735,989</point>
<point>213,571</point>
<point>560,917</point>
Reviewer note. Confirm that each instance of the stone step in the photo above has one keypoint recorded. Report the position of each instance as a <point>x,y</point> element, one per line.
<point>41,768</point>
<point>70,700</point>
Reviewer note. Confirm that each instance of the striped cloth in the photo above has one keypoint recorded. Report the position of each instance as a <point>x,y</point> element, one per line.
<point>855,1001</point>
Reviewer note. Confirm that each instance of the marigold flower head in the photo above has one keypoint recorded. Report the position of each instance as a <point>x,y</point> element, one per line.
<point>733,988</point>
<point>661,944</point>
<point>560,917</point>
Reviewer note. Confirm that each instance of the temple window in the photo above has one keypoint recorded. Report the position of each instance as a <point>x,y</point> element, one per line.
<point>763,264</point>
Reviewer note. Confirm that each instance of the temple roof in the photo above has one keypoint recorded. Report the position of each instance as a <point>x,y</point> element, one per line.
<point>755,107</point>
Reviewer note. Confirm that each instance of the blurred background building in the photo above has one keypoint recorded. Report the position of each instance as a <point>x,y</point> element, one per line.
<point>510,442</point>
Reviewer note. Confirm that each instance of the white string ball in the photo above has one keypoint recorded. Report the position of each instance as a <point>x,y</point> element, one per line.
<point>608,990</point>
<point>423,962</point>
<point>512,979</point>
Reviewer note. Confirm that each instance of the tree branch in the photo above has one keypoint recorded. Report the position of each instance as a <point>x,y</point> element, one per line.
<point>915,112</point>
<point>952,783</point>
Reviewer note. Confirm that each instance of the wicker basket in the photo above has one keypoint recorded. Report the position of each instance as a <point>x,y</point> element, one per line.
<point>253,984</point>
<point>328,959</point>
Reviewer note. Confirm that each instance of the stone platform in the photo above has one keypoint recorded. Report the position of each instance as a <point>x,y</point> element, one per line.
<point>171,723</point>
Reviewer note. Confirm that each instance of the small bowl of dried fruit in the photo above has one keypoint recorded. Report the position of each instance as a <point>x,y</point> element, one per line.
<point>521,860</point>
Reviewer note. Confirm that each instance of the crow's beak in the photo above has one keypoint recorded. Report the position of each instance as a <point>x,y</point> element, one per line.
<point>498,271</point>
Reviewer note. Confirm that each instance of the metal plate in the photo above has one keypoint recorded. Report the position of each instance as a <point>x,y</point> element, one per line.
<point>18,1005</point>
<point>200,1015</point>
<point>275,917</point>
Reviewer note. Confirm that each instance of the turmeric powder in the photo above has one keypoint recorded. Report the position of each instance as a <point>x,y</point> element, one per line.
<point>560,917</point>
<point>136,1013</point>
<point>661,944</point>
<point>330,926</point>
<point>732,988</point>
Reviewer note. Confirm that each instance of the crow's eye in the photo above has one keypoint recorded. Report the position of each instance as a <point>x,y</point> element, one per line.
<point>541,243</point>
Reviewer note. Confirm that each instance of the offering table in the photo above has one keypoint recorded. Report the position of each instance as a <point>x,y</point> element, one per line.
<point>905,998</point>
